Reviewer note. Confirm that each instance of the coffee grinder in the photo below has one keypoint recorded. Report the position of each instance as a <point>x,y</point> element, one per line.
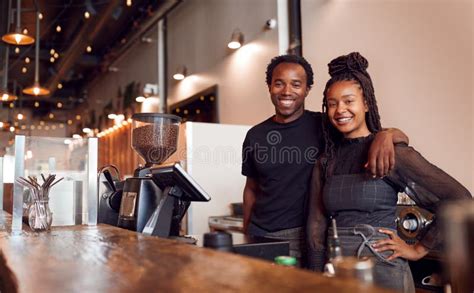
<point>155,200</point>
<point>155,139</point>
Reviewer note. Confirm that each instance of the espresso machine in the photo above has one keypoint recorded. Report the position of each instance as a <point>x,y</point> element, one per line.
<point>155,200</point>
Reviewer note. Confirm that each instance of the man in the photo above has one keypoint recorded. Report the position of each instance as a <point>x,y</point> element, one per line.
<point>279,155</point>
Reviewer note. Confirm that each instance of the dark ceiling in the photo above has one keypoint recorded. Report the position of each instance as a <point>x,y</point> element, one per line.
<point>110,29</point>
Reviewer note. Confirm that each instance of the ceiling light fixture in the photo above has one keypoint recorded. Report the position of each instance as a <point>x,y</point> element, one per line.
<point>181,73</point>
<point>20,116</point>
<point>87,15</point>
<point>17,50</point>
<point>140,99</point>
<point>236,40</point>
<point>88,49</point>
<point>58,28</point>
<point>4,93</point>
<point>27,60</point>
<point>17,37</point>
<point>36,89</point>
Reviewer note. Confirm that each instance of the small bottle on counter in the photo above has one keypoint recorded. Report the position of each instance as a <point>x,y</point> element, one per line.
<point>335,252</point>
<point>287,261</point>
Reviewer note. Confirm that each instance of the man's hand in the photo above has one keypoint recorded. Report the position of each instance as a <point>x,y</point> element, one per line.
<point>381,154</point>
<point>400,247</point>
<point>250,192</point>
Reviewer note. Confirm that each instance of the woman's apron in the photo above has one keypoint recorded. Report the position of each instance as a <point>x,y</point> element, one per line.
<point>357,240</point>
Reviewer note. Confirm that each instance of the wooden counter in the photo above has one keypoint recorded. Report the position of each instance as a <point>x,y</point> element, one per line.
<point>108,259</point>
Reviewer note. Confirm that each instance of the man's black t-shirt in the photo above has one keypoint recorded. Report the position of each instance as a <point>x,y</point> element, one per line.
<point>281,157</point>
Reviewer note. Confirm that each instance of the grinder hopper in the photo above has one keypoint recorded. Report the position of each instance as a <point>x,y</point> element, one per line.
<point>155,136</point>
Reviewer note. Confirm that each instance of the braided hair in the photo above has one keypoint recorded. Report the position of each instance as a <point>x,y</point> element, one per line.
<point>351,67</point>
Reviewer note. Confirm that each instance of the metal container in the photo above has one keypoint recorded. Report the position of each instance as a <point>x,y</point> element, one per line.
<point>457,220</point>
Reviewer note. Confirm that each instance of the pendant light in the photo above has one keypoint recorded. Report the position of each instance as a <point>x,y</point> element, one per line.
<point>36,89</point>
<point>17,37</point>
<point>6,96</point>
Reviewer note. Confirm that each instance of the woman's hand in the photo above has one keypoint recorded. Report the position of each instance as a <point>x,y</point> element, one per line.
<point>400,247</point>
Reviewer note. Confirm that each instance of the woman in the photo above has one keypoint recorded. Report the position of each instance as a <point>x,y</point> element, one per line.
<point>365,207</point>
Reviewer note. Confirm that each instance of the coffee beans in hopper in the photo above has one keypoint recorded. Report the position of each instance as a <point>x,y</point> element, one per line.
<point>155,144</point>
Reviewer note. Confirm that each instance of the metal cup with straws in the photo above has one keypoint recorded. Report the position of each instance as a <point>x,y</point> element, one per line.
<point>40,216</point>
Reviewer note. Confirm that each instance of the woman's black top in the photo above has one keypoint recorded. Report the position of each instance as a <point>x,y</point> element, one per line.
<point>425,183</point>
<point>352,196</point>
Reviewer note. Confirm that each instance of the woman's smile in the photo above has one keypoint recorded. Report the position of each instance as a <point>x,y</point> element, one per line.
<point>346,109</point>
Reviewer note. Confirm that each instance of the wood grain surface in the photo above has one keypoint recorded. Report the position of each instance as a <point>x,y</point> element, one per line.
<point>108,259</point>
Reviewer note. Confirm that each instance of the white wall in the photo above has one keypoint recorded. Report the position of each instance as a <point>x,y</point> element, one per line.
<point>198,33</point>
<point>421,61</point>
